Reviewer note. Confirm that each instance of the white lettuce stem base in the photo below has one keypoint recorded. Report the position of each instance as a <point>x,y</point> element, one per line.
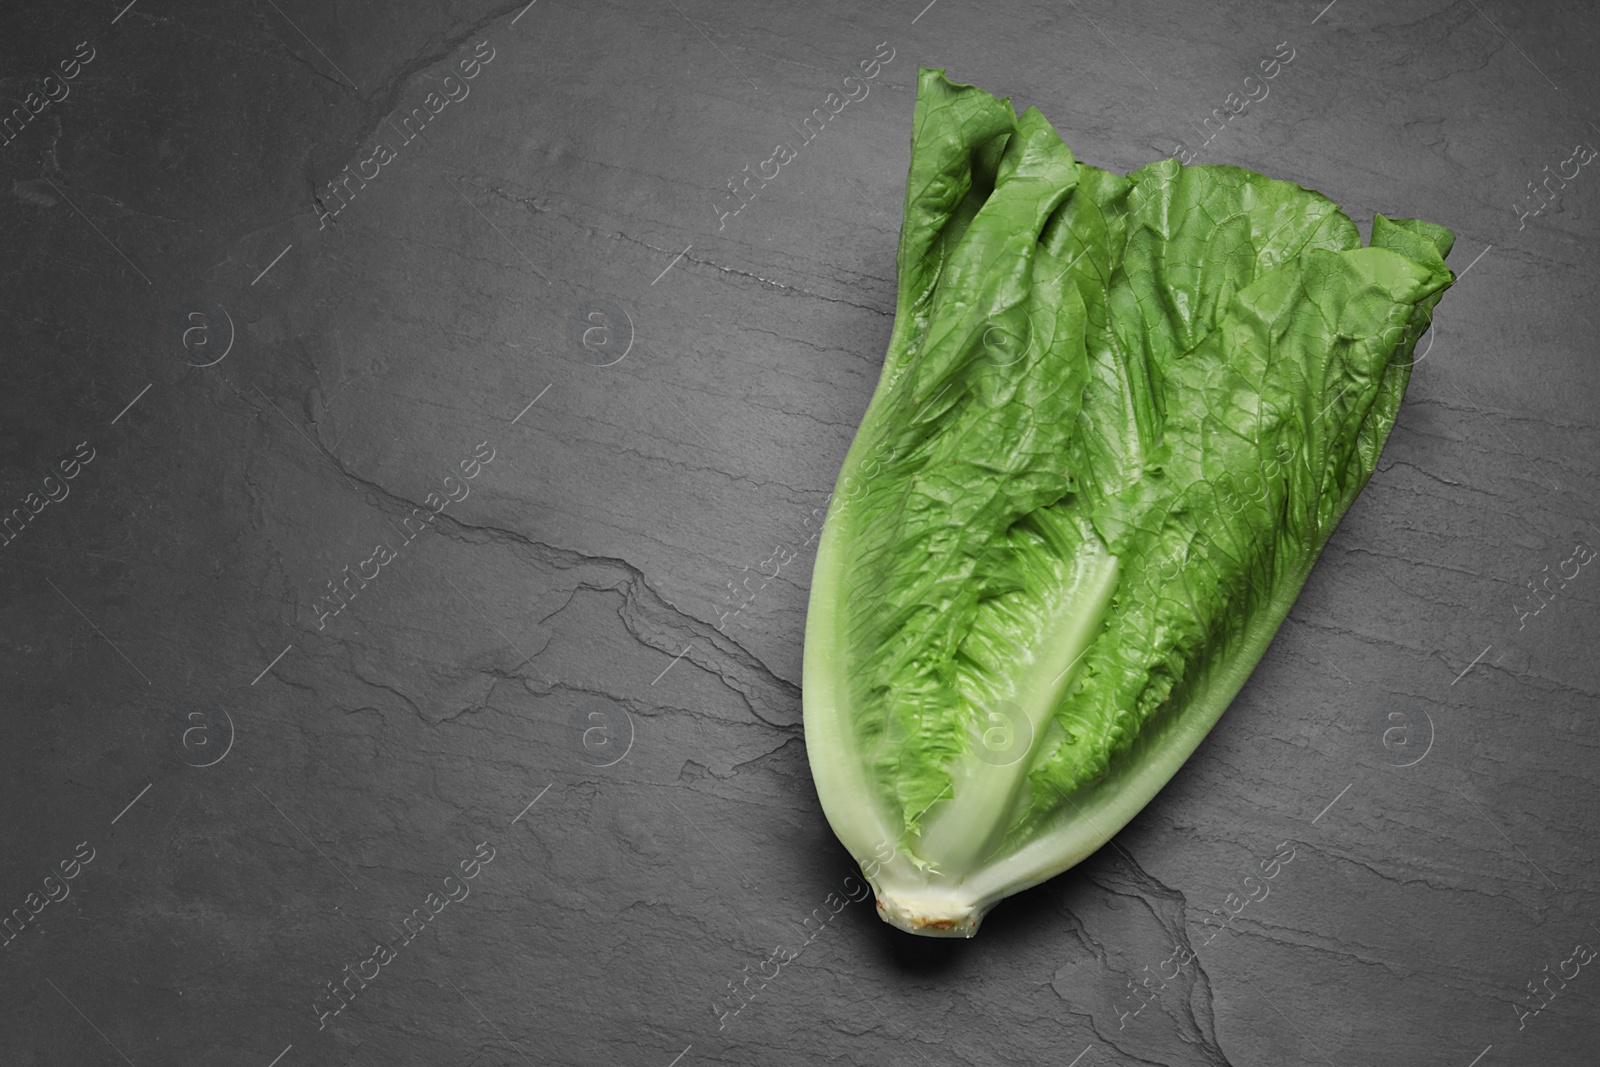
<point>918,908</point>
<point>937,904</point>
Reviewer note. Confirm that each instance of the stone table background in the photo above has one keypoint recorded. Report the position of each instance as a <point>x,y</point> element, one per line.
<point>252,393</point>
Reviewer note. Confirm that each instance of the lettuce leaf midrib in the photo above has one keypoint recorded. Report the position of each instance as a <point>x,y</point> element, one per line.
<point>1280,587</point>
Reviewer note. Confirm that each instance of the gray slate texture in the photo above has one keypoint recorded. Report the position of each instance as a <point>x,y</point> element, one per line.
<point>269,381</point>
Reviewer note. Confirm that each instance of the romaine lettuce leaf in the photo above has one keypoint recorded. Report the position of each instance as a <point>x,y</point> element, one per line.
<point>1117,421</point>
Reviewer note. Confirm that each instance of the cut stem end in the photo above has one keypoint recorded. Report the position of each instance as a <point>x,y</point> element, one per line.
<point>930,916</point>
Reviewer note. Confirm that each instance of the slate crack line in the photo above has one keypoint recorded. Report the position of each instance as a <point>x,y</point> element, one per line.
<point>325,454</point>
<point>501,232</point>
<point>525,657</point>
<point>1508,440</point>
<point>652,605</point>
<point>320,451</point>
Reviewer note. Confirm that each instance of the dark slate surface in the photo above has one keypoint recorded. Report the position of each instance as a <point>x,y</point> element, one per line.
<point>266,791</point>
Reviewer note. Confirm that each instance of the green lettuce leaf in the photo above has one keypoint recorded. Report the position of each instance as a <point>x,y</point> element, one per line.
<point>1118,419</point>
